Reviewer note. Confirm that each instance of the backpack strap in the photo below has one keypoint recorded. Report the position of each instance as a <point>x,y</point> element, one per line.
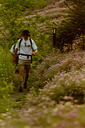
<point>20,43</point>
<point>31,44</point>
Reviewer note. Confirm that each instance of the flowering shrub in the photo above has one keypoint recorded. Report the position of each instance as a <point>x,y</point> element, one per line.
<point>67,84</point>
<point>59,64</point>
<point>58,103</point>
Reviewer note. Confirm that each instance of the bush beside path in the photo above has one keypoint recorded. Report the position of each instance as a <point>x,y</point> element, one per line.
<point>59,103</point>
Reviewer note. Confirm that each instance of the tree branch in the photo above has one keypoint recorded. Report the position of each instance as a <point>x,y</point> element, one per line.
<point>67,6</point>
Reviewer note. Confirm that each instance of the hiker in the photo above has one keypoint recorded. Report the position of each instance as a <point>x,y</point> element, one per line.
<point>12,50</point>
<point>25,46</point>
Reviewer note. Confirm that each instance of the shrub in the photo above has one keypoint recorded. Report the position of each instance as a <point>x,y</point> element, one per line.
<point>61,76</point>
<point>7,78</point>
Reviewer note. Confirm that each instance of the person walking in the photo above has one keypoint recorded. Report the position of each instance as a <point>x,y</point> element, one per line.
<point>12,50</point>
<point>27,48</point>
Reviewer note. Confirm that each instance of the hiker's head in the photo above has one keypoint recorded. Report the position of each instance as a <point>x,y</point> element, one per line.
<point>26,34</point>
<point>18,38</point>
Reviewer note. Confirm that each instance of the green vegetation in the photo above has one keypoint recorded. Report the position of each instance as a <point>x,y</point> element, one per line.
<point>13,25</point>
<point>6,79</point>
<point>73,26</point>
<point>24,4</point>
<point>56,94</point>
<point>60,101</point>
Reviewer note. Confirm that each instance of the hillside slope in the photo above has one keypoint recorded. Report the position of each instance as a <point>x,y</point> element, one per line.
<point>60,103</point>
<point>54,13</point>
<point>57,86</point>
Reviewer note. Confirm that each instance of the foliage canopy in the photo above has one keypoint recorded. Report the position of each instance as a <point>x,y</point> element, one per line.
<point>73,26</point>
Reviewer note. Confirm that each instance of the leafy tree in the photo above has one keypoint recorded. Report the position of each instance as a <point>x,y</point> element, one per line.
<point>77,17</point>
<point>65,34</point>
<point>73,26</point>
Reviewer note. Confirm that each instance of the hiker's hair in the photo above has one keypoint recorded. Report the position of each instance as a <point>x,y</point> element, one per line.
<point>18,38</point>
<point>26,32</point>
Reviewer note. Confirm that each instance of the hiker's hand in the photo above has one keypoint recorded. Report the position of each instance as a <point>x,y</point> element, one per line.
<point>14,59</point>
<point>33,53</point>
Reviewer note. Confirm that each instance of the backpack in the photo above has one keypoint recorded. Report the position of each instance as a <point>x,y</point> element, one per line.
<point>25,54</point>
<point>14,48</point>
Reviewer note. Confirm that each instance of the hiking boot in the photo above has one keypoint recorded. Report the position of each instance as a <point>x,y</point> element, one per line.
<point>25,85</point>
<point>20,89</point>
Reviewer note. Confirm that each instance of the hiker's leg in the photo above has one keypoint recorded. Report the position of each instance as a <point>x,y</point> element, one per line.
<point>27,69</point>
<point>21,71</point>
<point>27,76</point>
<point>17,60</point>
<point>21,77</point>
<point>21,81</point>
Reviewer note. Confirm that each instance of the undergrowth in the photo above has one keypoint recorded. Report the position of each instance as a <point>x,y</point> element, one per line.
<point>61,75</point>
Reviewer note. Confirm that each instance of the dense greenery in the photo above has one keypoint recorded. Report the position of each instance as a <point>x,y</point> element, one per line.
<point>73,26</point>
<point>56,83</point>
<point>22,5</point>
<point>12,25</point>
<point>59,102</point>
